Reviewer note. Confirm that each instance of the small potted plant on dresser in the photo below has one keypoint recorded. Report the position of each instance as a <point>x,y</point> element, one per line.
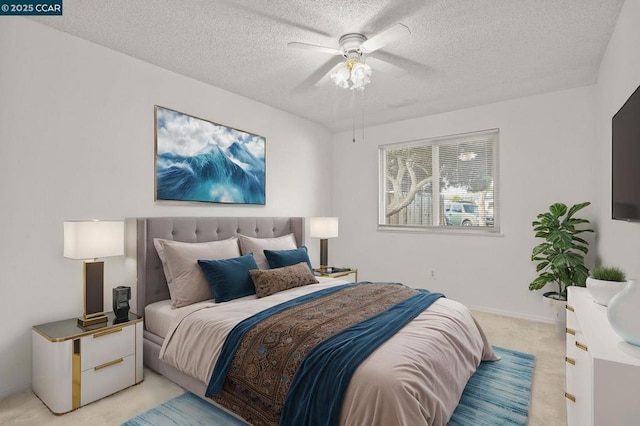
<point>560,257</point>
<point>604,282</point>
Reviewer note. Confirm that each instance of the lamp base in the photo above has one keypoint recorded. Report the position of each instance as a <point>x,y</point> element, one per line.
<point>84,321</point>
<point>324,253</point>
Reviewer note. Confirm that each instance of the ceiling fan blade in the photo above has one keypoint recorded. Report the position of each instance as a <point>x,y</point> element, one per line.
<point>315,79</point>
<point>386,67</point>
<point>393,12</point>
<point>395,33</point>
<point>412,67</point>
<point>306,46</point>
<point>327,77</point>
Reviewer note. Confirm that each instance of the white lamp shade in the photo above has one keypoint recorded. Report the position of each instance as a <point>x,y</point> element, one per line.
<point>93,239</point>
<point>323,227</point>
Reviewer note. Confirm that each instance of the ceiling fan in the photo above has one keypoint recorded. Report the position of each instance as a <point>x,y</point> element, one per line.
<point>356,71</point>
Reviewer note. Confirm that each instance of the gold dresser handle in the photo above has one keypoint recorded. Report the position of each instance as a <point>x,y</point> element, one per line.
<point>105,333</point>
<point>570,331</point>
<point>569,308</point>
<point>570,397</point>
<point>108,364</point>
<point>570,360</point>
<point>582,346</point>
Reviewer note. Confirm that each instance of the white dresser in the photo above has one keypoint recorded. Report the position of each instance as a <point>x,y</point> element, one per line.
<point>73,366</point>
<point>603,371</point>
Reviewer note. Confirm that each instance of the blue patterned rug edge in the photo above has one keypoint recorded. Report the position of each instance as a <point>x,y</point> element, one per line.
<point>186,409</point>
<point>498,393</point>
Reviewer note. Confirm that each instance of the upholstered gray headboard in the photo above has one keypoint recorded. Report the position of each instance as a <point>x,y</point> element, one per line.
<point>151,282</point>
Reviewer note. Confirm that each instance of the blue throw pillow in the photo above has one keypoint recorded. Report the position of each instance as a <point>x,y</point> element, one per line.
<point>282,258</point>
<point>229,278</point>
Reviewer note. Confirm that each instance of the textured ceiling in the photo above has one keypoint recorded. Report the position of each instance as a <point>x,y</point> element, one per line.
<point>460,53</point>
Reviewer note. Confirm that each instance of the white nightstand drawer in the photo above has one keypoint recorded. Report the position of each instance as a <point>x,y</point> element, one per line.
<point>102,347</point>
<point>107,378</point>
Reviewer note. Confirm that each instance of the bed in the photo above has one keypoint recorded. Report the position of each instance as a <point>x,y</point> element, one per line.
<point>415,377</point>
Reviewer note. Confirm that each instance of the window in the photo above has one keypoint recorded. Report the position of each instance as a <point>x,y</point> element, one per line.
<point>446,183</point>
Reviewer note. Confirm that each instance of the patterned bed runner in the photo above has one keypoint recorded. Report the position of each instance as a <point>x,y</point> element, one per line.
<point>271,349</point>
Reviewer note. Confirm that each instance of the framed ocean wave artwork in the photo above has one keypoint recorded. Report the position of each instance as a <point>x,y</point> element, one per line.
<point>198,160</point>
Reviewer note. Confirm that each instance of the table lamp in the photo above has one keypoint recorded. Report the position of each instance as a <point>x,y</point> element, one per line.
<point>92,240</point>
<point>324,228</point>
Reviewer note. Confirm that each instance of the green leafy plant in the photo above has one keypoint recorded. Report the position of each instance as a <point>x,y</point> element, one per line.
<point>608,274</point>
<point>561,256</point>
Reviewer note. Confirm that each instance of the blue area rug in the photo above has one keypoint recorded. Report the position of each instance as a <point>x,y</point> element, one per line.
<point>185,410</point>
<point>497,394</point>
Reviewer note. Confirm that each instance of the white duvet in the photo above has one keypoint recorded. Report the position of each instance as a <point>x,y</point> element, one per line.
<point>415,378</point>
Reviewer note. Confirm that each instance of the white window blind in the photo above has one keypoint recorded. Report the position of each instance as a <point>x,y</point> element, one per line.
<point>441,183</point>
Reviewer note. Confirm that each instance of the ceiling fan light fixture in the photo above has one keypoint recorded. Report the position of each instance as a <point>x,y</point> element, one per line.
<point>341,77</point>
<point>352,74</point>
<point>360,76</point>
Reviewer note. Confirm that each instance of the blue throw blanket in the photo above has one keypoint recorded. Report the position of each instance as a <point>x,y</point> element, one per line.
<point>317,388</point>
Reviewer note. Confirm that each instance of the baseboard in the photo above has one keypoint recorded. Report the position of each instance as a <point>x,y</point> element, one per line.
<point>545,320</point>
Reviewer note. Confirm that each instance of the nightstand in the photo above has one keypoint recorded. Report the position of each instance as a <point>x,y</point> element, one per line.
<point>343,272</point>
<point>72,365</point>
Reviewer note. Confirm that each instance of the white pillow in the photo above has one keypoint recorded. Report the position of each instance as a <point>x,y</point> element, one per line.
<point>186,281</point>
<point>258,245</point>
<point>157,242</point>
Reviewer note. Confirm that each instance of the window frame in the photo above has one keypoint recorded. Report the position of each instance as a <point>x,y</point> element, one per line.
<point>434,142</point>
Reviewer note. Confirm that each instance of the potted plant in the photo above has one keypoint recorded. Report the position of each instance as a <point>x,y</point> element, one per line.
<point>604,282</point>
<point>560,256</point>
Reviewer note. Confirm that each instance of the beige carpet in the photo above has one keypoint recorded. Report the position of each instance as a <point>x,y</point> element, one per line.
<point>548,406</point>
<point>541,340</point>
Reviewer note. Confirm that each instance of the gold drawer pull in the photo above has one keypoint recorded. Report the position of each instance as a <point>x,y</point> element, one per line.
<point>570,331</point>
<point>570,308</point>
<point>105,333</point>
<point>570,360</point>
<point>582,346</point>
<point>570,397</point>
<point>108,364</point>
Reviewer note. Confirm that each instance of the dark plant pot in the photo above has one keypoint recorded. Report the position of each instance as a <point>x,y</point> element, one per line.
<point>554,295</point>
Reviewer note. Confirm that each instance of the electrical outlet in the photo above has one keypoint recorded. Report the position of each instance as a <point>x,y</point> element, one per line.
<point>433,274</point>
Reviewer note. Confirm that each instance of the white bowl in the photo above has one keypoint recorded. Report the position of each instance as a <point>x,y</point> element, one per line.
<point>603,291</point>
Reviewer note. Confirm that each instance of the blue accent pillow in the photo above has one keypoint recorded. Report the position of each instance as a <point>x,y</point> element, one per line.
<point>282,258</point>
<point>229,278</point>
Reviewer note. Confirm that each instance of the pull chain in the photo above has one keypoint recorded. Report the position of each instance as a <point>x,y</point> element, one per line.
<point>362,124</point>
<point>354,128</point>
<point>353,103</point>
<point>353,131</point>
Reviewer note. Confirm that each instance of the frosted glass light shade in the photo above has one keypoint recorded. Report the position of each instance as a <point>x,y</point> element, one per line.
<point>93,239</point>
<point>323,227</point>
<point>341,77</point>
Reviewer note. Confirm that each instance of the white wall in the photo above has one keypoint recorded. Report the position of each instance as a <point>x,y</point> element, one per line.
<point>618,242</point>
<point>547,155</point>
<point>77,142</point>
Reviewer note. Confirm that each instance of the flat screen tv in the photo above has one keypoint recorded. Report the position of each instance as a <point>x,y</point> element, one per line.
<point>625,160</point>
